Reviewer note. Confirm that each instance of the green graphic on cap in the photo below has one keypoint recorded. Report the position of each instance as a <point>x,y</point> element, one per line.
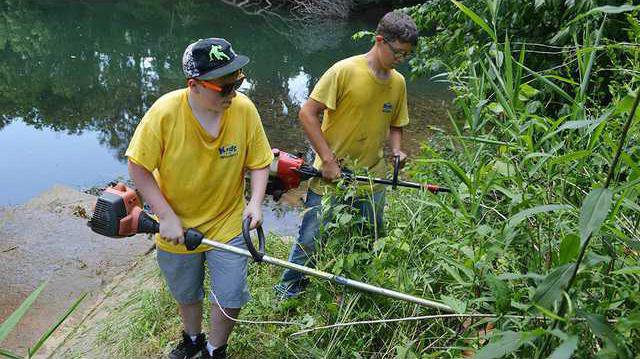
<point>216,51</point>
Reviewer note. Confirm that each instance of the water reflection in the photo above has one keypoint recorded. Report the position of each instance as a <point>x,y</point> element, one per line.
<point>299,88</point>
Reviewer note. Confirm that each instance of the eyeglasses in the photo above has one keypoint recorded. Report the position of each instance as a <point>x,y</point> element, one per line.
<point>224,90</point>
<point>398,53</point>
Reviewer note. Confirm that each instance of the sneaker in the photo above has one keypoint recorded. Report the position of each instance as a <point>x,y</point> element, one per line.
<point>187,349</point>
<point>218,353</point>
<point>291,290</point>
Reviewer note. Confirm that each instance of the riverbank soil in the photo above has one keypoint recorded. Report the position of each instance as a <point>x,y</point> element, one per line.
<point>47,239</point>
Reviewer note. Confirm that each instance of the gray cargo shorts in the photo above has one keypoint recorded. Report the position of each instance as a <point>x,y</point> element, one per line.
<point>184,274</point>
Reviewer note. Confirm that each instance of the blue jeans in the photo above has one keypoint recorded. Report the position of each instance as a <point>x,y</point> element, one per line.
<point>306,243</point>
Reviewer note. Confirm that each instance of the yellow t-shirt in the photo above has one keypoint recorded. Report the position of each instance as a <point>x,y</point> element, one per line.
<point>360,110</point>
<point>201,177</point>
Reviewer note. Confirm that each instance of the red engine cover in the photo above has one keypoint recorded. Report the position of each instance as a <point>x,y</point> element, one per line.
<point>285,166</point>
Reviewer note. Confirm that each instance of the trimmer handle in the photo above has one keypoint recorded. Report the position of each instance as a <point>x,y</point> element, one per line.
<point>396,171</point>
<point>147,224</point>
<point>256,254</point>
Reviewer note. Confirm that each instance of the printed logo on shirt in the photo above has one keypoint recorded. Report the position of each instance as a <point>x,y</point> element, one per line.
<point>387,107</point>
<point>228,151</point>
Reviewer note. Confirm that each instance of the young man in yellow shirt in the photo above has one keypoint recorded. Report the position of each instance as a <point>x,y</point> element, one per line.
<point>188,157</point>
<point>363,100</point>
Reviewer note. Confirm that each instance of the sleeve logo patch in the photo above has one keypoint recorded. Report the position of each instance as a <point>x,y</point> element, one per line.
<point>228,151</point>
<point>387,107</point>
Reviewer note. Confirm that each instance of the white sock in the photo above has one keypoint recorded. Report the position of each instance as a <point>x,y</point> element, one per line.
<point>210,348</point>
<point>193,338</point>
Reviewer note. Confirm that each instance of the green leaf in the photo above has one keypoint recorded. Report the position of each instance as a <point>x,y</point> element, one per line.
<point>9,323</point>
<point>574,125</point>
<point>516,276</point>
<point>570,157</point>
<point>457,305</point>
<point>569,248</point>
<point>457,170</point>
<point>475,18</point>
<point>628,270</point>
<point>547,82</point>
<point>55,325</point>
<point>593,259</point>
<point>455,274</point>
<point>549,313</point>
<point>602,330</point>
<point>608,9</point>
<point>522,215</point>
<point>8,354</point>
<point>527,92</point>
<point>592,54</point>
<point>626,105</point>
<point>594,211</point>
<point>504,168</point>
<point>550,289</point>
<point>501,293</point>
<point>486,140</point>
<point>507,343</point>
<point>362,34</point>
<point>566,349</point>
<point>563,79</point>
<point>406,351</point>
<point>345,218</point>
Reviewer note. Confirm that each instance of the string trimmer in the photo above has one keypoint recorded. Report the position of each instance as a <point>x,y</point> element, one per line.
<point>118,214</point>
<point>287,171</point>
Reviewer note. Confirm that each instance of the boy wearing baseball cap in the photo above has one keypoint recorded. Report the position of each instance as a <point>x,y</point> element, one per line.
<point>188,157</point>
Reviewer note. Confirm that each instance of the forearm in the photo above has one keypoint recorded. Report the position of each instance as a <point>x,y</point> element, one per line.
<point>259,178</point>
<point>148,187</point>
<point>311,125</point>
<point>395,139</point>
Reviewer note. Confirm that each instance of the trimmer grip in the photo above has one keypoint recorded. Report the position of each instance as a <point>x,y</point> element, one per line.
<point>192,238</point>
<point>147,224</point>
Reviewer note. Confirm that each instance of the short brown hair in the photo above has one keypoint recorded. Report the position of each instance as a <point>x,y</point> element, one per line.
<point>396,25</point>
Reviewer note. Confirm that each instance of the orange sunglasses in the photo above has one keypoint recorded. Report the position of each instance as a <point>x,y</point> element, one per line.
<point>224,90</point>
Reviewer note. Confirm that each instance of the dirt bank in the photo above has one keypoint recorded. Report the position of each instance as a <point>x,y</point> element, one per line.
<point>47,239</point>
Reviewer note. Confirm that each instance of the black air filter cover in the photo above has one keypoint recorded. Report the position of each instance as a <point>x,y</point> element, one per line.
<point>110,209</point>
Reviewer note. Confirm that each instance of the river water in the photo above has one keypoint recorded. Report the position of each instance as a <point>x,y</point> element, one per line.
<point>76,77</point>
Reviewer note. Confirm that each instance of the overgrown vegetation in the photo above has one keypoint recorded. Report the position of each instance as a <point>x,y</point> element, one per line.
<point>541,232</point>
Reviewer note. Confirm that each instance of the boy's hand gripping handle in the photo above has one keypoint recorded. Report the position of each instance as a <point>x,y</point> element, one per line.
<point>147,224</point>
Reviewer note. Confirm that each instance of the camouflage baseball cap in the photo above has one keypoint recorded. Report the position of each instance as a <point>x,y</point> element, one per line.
<point>211,58</point>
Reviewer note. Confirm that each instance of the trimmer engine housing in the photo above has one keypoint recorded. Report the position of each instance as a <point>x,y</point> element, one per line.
<point>118,214</point>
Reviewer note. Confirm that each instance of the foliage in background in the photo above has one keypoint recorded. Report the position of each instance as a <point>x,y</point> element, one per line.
<point>543,115</point>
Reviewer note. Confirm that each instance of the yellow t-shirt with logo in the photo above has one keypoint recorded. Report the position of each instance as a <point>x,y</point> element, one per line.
<point>201,177</point>
<point>360,110</point>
